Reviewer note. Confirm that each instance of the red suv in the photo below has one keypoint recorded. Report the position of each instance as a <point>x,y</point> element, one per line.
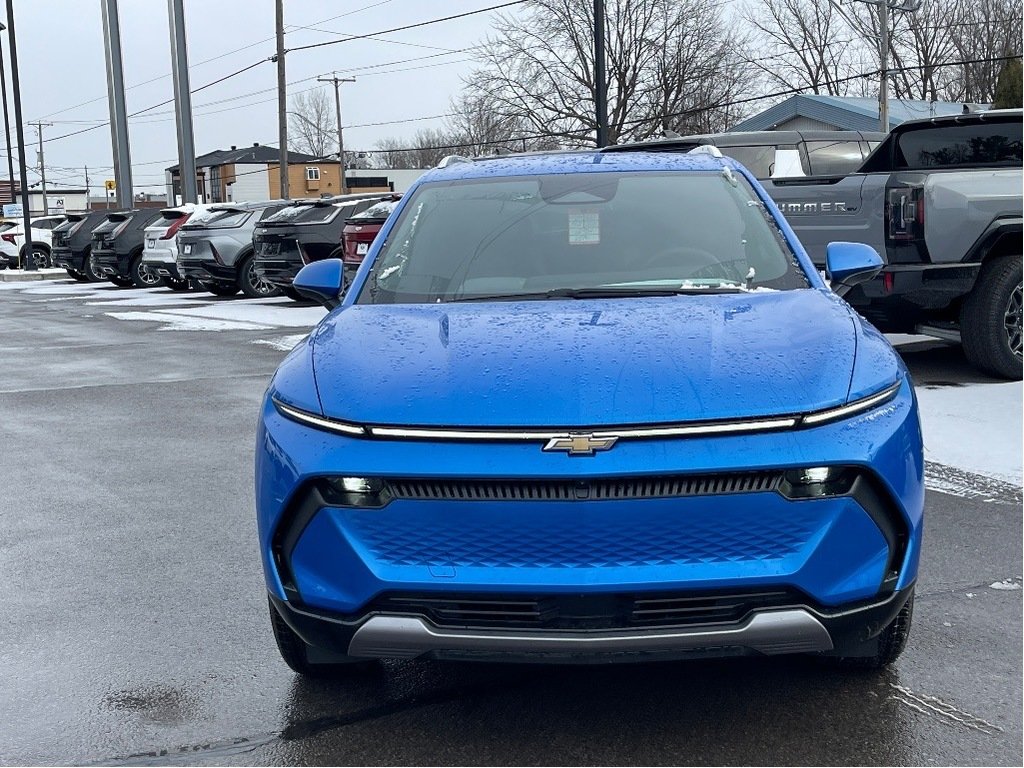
<point>360,230</point>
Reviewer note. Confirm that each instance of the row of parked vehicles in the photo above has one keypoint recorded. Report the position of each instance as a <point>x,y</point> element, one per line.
<point>255,248</point>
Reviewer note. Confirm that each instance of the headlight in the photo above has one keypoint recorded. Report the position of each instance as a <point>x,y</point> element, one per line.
<point>815,482</point>
<point>354,491</point>
<point>851,409</point>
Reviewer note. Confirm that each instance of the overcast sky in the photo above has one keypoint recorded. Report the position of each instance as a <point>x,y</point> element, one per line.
<point>60,49</point>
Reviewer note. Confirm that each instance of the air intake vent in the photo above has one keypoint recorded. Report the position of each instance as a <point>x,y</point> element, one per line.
<point>598,611</point>
<point>579,490</point>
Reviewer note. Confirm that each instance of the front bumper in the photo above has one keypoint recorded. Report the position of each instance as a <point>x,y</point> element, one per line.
<point>799,627</point>
<point>330,559</point>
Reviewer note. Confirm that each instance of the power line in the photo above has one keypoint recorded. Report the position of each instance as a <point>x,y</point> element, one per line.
<point>407,26</point>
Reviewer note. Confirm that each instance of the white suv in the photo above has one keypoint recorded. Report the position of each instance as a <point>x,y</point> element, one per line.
<point>160,251</point>
<point>12,238</point>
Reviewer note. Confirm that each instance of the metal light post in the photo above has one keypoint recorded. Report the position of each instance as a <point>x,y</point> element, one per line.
<point>182,103</point>
<point>116,103</point>
<point>7,120</point>
<point>27,262</point>
<point>337,108</point>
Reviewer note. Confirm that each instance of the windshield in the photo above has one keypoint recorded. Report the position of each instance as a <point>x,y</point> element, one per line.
<point>540,236</point>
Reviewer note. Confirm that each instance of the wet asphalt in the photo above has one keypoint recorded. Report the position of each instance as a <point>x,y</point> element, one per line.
<point>135,623</point>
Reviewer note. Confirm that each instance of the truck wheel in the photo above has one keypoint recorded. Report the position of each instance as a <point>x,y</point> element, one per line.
<point>142,277</point>
<point>990,321</point>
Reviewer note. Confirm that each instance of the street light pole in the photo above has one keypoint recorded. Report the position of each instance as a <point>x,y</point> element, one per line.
<point>182,103</point>
<point>337,108</point>
<point>27,262</point>
<point>116,103</point>
<point>7,121</point>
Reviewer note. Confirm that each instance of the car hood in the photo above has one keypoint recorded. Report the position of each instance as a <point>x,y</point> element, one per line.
<point>571,363</point>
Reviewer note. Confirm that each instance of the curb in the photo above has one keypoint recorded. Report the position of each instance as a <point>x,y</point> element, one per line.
<point>18,276</point>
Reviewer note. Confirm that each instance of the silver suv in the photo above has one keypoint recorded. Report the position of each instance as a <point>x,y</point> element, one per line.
<point>217,251</point>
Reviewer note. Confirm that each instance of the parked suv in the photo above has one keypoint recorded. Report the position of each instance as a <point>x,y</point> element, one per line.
<point>360,231</point>
<point>72,245</point>
<point>305,231</point>
<point>160,255</point>
<point>117,248</point>
<point>12,240</point>
<point>217,251</point>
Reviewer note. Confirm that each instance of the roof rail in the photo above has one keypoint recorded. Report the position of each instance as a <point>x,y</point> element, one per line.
<point>706,149</point>
<point>451,159</point>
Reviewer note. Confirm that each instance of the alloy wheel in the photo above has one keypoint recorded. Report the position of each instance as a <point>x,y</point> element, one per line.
<point>41,259</point>
<point>1012,320</point>
<point>148,277</point>
<point>258,284</point>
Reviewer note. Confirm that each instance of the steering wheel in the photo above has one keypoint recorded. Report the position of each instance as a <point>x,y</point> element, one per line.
<point>700,262</point>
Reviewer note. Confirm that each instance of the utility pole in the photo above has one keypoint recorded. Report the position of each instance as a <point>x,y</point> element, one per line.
<point>182,103</point>
<point>88,205</point>
<point>884,44</point>
<point>282,100</point>
<point>883,83</point>
<point>27,262</point>
<point>7,121</point>
<point>42,163</point>
<point>337,108</point>
<point>116,103</point>
<point>600,87</point>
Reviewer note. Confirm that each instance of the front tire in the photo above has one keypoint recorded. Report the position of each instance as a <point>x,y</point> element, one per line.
<point>889,643</point>
<point>142,277</point>
<point>296,652</point>
<point>990,320</point>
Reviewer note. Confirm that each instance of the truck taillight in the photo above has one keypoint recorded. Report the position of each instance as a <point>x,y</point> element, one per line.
<point>904,212</point>
<point>75,227</point>
<point>119,229</point>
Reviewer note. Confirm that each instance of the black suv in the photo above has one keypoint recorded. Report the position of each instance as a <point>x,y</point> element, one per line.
<point>217,250</point>
<point>72,245</point>
<point>305,231</point>
<point>117,245</point>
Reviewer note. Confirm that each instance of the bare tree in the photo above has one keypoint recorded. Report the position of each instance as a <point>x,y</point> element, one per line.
<point>311,124</point>
<point>425,150</point>
<point>664,57</point>
<point>802,44</point>
<point>991,30</point>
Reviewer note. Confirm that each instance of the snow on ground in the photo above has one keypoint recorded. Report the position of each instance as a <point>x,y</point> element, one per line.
<point>283,343</point>
<point>976,427</point>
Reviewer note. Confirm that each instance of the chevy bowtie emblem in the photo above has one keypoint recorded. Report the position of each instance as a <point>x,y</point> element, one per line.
<point>580,444</point>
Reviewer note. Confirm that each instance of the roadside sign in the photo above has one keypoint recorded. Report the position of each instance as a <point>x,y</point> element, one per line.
<point>59,204</point>
<point>110,185</point>
<point>12,210</point>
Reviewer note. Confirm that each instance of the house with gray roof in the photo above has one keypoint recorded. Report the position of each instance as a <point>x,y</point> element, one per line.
<point>819,112</point>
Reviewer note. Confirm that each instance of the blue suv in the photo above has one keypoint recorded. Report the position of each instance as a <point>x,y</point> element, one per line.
<point>589,406</point>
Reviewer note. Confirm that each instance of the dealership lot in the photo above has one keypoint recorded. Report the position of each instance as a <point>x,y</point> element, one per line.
<point>137,628</point>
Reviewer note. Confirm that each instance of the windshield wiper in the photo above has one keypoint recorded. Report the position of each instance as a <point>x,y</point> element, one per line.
<point>600,292</point>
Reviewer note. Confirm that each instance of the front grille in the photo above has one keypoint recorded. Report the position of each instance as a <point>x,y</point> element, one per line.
<point>589,490</point>
<point>582,612</point>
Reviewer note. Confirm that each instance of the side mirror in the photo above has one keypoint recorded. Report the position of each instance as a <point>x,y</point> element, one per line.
<point>847,264</point>
<point>321,281</point>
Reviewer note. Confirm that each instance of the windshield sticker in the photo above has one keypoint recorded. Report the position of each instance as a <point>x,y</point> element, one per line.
<point>584,227</point>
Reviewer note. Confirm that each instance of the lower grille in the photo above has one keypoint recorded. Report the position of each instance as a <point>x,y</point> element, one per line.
<point>597,489</point>
<point>569,612</point>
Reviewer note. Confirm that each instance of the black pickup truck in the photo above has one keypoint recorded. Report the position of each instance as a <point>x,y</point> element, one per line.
<point>940,200</point>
